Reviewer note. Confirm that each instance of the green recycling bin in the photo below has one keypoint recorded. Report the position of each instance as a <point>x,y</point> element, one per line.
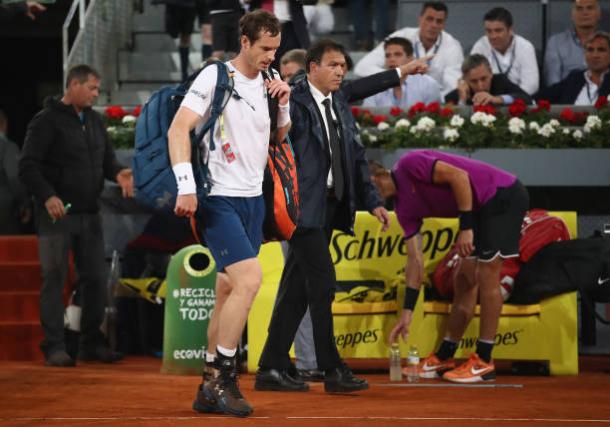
<point>189,303</point>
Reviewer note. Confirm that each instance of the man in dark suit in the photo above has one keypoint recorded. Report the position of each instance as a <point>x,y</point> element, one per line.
<point>333,174</point>
<point>583,87</point>
<point>293,70</point>
<point>479,86</point>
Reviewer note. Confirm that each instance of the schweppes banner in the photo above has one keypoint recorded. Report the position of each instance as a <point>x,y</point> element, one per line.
<point>361,328</point>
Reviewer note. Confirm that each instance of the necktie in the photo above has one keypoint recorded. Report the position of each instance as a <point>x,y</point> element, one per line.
<point>267,5</point>
<point>335,147</point>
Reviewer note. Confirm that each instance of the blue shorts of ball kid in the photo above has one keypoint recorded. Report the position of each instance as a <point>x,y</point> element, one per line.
<point>233,228</point>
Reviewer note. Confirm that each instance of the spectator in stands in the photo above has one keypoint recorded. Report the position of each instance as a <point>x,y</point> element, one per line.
<point>490,204</point>
<point>291,63</point>
<point>320,18</point>
<point>583,87</point>
<point>429,39</point>
<point>203,16</point>
<point>479,86</point>
<point>179,21</point>
<point>412,88</point>
<point>66,156</point>
<point>294,25</point>
<point>27,8</point>
<point>224,16</point>
<point>564,51</point>
<point>509,53</point>
<point>14,209</point>
<point>362,19</point>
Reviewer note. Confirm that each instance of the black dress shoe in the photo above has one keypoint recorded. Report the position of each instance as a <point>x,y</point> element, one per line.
<point>341,380</point>
<point>60,359</point>
<point>277,380</point>
<point>310,375</point>
<point>101,353</point>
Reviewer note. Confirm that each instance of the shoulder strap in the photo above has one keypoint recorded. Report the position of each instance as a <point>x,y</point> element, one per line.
<point>222,94</point>
<point>274,106</point>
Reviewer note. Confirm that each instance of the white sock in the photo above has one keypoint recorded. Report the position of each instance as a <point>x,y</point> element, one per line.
<point>226,352</point>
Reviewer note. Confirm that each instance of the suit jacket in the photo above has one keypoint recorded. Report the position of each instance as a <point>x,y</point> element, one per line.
<point>567,90</point>
<point>500,85</point>
<point>358,89</point>
<point>309,142</point>
<point>298,20</point>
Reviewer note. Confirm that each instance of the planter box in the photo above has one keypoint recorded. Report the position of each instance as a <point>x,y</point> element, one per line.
<point>562,167</point>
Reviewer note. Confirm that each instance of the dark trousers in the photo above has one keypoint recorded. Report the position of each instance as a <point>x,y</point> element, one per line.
<point>308,279</point>
<point>83,234</point>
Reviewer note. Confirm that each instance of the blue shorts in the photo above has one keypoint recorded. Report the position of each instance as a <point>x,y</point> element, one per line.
<point>233,228</point>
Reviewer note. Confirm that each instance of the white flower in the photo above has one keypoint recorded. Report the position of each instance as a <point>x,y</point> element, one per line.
<point>483,119</point>
<point>593,122</point>
<point>547,130</point>
<point>426,124</point>
<point>457,121</point>
<point>555,123</point>
<point>450,134</point>
<point>414,130</point>
<point>577,134</point>
<point>566,131</point>
<point>372,138</point>
<point>383,126</point>
<point>534,126</point>
<point>402,123</point>
<point>129,119</point>
<point>111,129</point>
<point>516,125</point>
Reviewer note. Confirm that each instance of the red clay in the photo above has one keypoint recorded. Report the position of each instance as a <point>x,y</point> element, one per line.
<point>134,393</point>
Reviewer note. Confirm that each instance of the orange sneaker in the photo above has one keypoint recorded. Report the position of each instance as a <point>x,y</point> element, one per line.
<point>474,370</point>
<point>432,367</point>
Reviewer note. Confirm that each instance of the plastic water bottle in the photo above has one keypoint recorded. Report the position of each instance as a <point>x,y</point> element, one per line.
<point>395,365</point>
<point>412,363</point>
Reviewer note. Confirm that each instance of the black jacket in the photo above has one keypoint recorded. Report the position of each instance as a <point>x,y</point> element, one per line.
<point>313,162</point>
<point>567,90</point>
<point>12,10</point>
<point>63,157</point>
<point>500,85</point>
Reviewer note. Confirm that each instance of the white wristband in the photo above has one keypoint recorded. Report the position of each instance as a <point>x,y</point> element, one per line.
<point>185,179</point>
<point>283,115</point>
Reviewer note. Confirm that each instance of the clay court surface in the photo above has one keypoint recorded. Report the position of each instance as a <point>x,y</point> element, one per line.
<point>133,393</point>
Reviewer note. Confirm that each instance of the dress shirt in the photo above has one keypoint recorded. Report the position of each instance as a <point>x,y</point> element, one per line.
<point>588,94</point>
<point>564,53</point>
<point>518,63</point>
<point>319,97</point>
<point>445,67</point>
<point>416,88</point>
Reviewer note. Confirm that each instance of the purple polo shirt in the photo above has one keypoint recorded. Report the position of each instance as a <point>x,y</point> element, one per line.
<point>418,198</point>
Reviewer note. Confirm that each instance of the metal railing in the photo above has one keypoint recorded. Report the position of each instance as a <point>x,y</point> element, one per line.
<point>104,27</point>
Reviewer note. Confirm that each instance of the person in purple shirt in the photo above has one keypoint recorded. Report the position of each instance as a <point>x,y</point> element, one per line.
<point>490,204</point>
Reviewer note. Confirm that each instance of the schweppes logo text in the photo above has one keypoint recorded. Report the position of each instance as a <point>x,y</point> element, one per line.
<point>386,245</point>
<point>501,338</point>
<point>352,339</point>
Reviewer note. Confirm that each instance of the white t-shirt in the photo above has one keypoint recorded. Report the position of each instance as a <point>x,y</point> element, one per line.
<point>237,164</point>
<point>518,63</point>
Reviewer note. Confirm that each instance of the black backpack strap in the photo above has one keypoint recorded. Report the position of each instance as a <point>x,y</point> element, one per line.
<point>274,106</point>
